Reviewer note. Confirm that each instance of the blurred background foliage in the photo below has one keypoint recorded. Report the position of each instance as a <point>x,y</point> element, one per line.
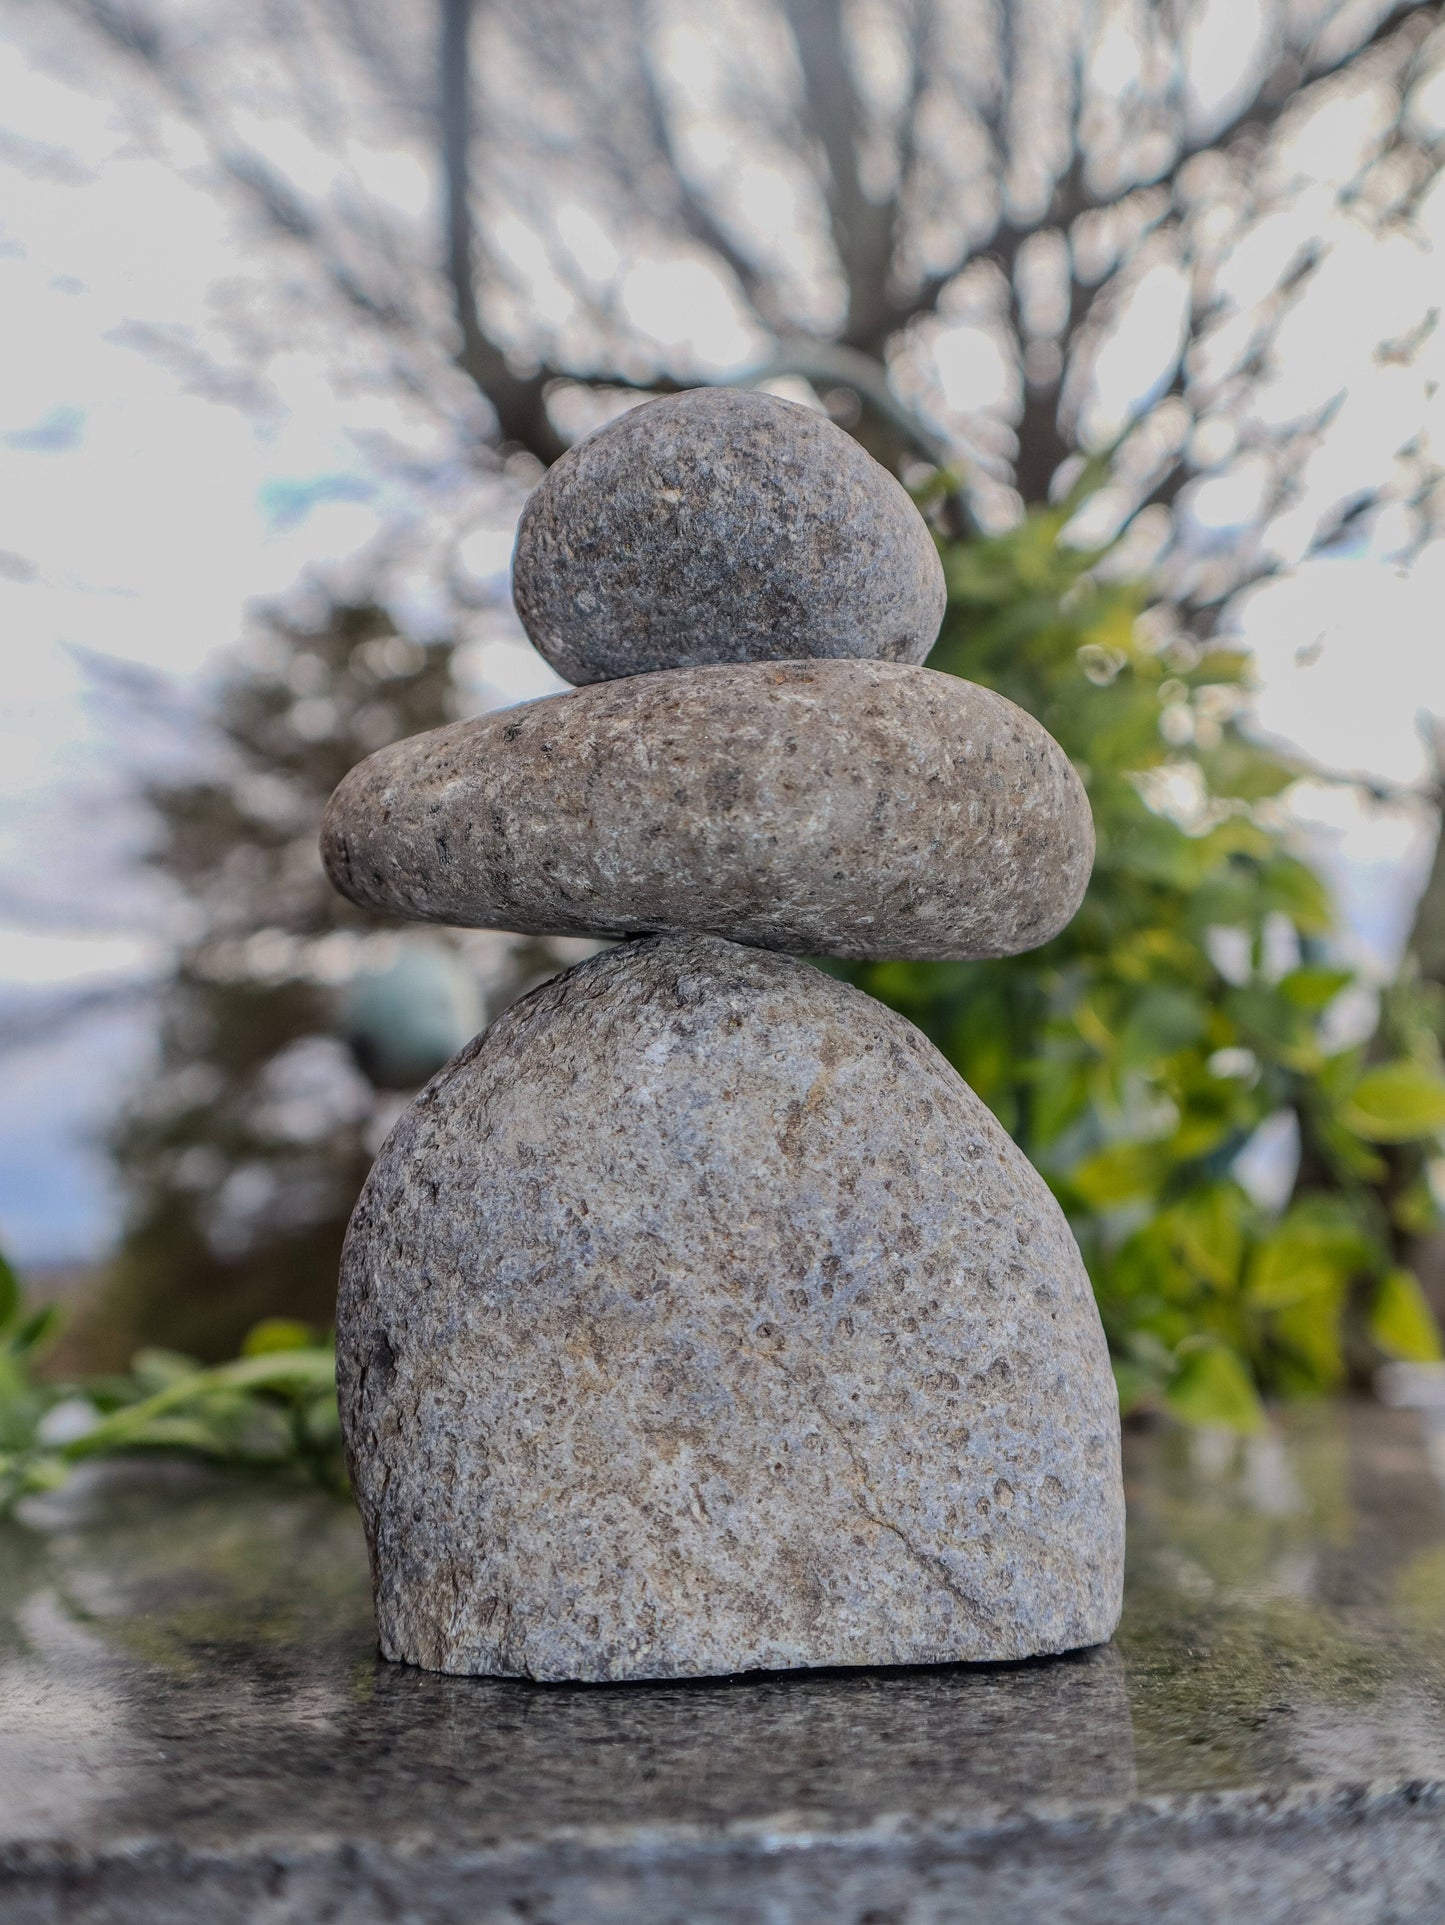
<point>1185,1014</point>
<point>1142,224</point>
<point>292,1026</point>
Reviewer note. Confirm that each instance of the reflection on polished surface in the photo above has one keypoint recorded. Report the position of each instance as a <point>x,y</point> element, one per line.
<point>192,1661</point>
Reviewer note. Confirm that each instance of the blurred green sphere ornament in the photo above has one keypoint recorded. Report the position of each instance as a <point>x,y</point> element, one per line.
<point>404,1021</point>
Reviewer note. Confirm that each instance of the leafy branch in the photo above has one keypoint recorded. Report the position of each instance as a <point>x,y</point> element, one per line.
<point>271,1408</point>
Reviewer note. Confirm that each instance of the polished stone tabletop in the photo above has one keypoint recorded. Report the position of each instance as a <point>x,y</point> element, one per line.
<point>194,1725</point>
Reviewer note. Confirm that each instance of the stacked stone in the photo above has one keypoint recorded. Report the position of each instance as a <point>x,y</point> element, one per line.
<point>697,1317</point>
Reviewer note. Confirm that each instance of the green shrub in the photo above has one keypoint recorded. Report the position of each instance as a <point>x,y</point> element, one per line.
<point>1136,1055</point>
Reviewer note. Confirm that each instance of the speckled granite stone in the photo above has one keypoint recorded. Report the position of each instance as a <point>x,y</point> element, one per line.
<point>698,1318</point>
<point>722,526</point>
<point>822,808</point>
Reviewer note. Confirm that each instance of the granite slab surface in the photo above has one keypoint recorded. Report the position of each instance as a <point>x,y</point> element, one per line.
<point>194,1725</point>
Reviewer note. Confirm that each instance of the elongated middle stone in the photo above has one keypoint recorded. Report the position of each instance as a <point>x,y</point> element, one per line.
<point>831,808</point>
<point>699,1318</point>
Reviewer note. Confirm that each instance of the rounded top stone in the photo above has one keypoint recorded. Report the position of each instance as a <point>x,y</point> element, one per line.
<point>722,525</point>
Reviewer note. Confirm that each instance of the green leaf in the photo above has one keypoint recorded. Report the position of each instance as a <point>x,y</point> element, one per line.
<point>1310,1254</point>
<point>1402,1322</point>
<point>1289,886</point>
<point>1397,1103</point>
<point>1287,1270</point>
<point>189,1434</point>
<point>1207,1230</point>
<point>155,1369</point>
<point>1212,1387</point>
<point>276,1333</point>
<point>38,1328</point>
<point>1415,1210</point>
<point>1162,1022</point>
<point>1308,1340</point>
<point>1119,1174</point>
<point>1314,987</point>
<point>281,1370</point>
<point>42,1472</point>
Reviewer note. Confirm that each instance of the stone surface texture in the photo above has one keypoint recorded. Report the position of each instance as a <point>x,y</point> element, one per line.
<point>821,808</point>
<point>698,1318</point>
<point>722,526</point>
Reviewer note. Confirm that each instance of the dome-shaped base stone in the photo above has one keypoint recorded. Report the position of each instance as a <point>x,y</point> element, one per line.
<point>698,1318</point>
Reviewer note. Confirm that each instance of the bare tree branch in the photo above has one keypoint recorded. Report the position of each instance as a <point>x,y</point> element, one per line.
<point>1074,195</point>
<point>519,402</point>
<point>697,218</point>
<point>618,151</point>
<point>864,230</point>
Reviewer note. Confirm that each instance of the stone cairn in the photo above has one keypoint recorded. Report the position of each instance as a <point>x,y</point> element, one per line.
<point>698,1318</point>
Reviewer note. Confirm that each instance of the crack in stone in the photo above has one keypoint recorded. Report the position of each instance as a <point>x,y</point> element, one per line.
<point>927,1560</point>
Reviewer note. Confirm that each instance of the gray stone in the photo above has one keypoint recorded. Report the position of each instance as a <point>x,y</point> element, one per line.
<point>822,808</point>
<point>698,1318</point>
<point>722,526</point>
